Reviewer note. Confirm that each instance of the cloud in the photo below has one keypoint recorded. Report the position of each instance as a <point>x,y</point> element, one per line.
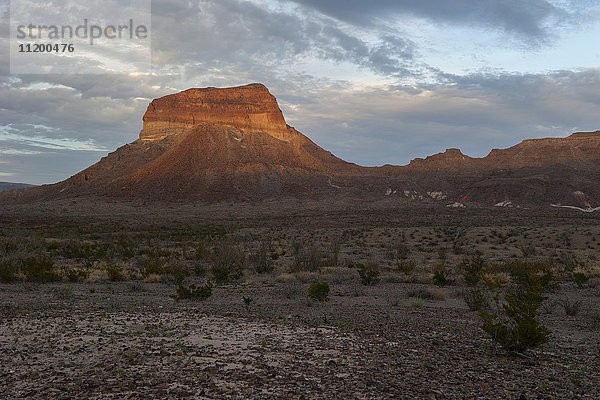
<point>349,74</point>
<point>379,124</point>
<point>237,35</point>
<point>526,19</point>
<point>70,113</point>
<point>14,133</point>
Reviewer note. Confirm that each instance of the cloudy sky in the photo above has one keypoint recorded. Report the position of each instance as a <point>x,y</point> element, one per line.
<point>375,82</point>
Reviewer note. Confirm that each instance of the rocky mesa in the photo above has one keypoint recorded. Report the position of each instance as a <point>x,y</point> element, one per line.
<point>209,144</point>
<point>249,108</point>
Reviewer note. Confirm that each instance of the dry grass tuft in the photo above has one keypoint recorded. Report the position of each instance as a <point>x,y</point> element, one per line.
<point>153,278</point>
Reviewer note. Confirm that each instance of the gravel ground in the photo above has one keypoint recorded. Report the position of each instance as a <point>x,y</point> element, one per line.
<point>131,340</point>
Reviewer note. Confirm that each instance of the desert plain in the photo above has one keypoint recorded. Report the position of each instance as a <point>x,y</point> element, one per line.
<point>90,306</point>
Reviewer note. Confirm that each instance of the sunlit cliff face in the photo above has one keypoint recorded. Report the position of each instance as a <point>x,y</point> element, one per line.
<point>250,108</point>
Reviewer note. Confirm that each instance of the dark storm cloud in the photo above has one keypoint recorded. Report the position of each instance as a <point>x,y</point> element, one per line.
<point>523,18</point>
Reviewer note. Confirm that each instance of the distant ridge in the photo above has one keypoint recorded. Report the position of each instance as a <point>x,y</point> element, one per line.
<point>233,144</point>
<point>10,185</point>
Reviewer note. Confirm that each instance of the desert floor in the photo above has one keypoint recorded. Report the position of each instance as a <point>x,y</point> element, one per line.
<point>105,324</point>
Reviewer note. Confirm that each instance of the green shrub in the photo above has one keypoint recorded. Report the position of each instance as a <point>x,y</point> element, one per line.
<point>8,272</point>
<point>570,307</point>
<point>596,320</point>
<point>310,259</point>
<point>40,269</point>
<point>263,264</point>
<point>515,324</point>
<point>476,298</point>
<point>369,275</point>
<point>247,301</point>
<point>76,275</point>
<point>193,292</point>
<point>473,269</point>
<point>580,279</point>
<point>319,291</point>
<point>227,263</point>
<point>441,276</point>
<point>114,271</point>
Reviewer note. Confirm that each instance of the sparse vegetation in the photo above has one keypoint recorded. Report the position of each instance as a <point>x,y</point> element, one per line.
<point>263,263</point>
<point>62,292</point>
<point>473,269</point>
<point>7,272</point>
<point>227,262</point>
<point>319,291</point>
<point>580,279</point>
<point>40,269</point>
<point>571,307</point>
<point>404,315</point>
<point>405,266</point>
<point>416,303</point>
<point>247,302</point>
<point>369,274</point>
<point>114,271</point>
<point>441,276</point>
<point>307,259</point>
<point>193,292</point>
<point>595,318</point>
<point>77,275</point>
<point>476,298</point>
<point>515,323</point>
<point>426,294</point>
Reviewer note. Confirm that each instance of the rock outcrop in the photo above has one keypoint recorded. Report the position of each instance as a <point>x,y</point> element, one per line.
<point>579,149</point>
<point>250,108</point>
<point>451,159</point>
